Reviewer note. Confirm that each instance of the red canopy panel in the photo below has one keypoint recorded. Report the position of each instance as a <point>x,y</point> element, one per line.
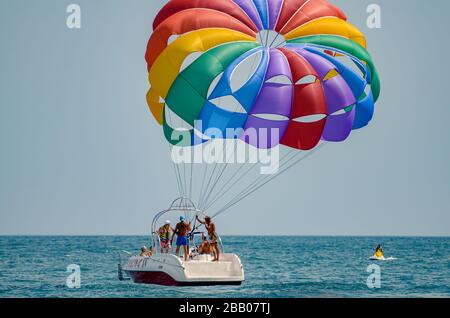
<point>225,6</point>
<point>307,11</point>
<point>288,10</point>
<point>309,99</point>
<point>186,21</point>
<point>303,136</point>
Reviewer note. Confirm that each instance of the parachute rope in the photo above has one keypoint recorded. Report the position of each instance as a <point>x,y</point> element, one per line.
<point>255,182</point>
<point>226,188</point>
<point>177,176</point>
<point>244,194</point>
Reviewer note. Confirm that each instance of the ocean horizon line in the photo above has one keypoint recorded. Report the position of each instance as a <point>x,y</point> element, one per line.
<point>232,235</point>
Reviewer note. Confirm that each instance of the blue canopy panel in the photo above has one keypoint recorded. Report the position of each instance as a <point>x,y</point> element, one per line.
<point>263,11</point>
<point>215,118</point>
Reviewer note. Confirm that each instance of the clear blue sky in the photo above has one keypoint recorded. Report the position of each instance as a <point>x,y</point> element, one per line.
<point>80,153</point>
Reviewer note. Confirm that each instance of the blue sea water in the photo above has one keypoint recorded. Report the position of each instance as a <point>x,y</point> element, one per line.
<point>274,267</point>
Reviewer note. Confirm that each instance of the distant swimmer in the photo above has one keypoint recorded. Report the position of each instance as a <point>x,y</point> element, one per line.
<point>212,236</point>
<point>379,252</point>
<point>182,232</point>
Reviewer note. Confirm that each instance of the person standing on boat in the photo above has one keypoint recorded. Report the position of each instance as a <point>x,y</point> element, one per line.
<point>182,232</point>
<point>165,234</point>
<point>213,237</point>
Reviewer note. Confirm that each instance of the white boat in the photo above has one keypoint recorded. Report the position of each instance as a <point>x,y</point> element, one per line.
<point>170,270</point>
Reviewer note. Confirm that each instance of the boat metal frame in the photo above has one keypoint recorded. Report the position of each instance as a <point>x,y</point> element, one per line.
<point>186,206</point>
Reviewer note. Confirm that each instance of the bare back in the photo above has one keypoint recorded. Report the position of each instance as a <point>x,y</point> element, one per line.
<point>182,229</point>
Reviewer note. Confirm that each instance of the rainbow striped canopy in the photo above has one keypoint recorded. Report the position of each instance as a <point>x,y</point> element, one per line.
<point>314,79</point>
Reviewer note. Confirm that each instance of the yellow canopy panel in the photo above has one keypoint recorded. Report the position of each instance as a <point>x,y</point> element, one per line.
<point>328,26</point>
<point>168,64</point>
<point>156,107</point>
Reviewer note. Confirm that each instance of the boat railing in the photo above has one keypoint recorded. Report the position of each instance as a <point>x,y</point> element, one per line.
<point>181,204</point>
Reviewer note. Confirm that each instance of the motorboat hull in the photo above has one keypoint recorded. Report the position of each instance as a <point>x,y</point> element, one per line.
<point>164,279</point>
<point>169,270</point>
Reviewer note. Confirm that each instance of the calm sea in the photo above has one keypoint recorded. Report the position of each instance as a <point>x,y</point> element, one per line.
<point>274,267</point>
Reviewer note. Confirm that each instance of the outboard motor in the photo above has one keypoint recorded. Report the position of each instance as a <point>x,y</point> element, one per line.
<point>120,272</point>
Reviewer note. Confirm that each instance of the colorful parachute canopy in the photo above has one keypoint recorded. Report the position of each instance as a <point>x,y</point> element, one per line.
<point>313,78</point>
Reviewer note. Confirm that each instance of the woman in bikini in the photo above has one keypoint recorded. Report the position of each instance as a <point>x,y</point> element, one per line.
<point>212,236</point>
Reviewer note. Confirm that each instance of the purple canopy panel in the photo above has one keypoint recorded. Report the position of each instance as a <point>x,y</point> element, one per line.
<point>275,98</point>
<point>274,12</point>
<point>268,132</point>
<point>339,127</point>
<point>249,8</point>
<point>278,65</point>
<point>320,64</point>
<point>337,94</point>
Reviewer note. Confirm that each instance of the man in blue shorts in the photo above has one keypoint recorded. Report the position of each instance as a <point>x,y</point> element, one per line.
<point>182,232</point>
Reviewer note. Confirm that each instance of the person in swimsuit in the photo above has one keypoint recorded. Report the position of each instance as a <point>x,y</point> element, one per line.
<point>212,236</point>
<point>144,251</point>
<point>379,251</point>
<point>165,234</point>
<point>204,248</point>
<point>182,232</point>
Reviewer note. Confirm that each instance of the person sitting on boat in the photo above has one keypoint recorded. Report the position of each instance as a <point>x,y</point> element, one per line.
<point>379,252</point>
<point>144,251</point>
<point>182,232</point>
<point>204,248</point>
<point>212,236</point>
<point>165,234</point>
